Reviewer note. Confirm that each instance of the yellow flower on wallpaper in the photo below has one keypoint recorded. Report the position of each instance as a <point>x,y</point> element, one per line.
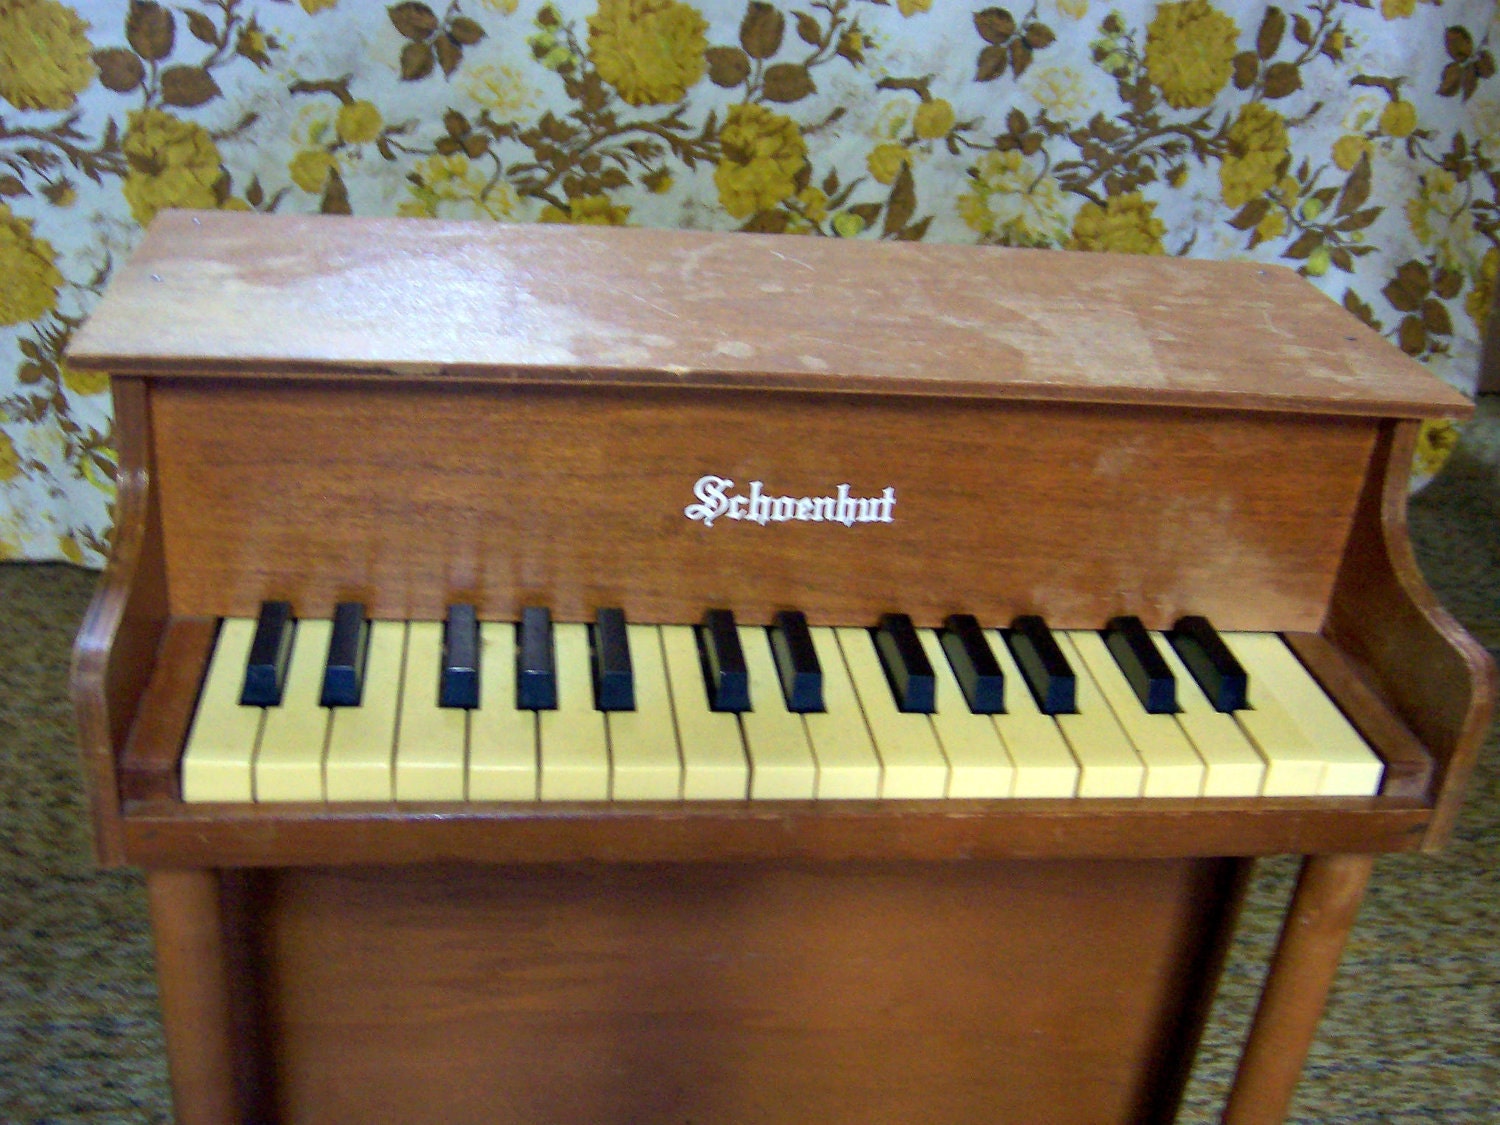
<point>45,54</point>
<point>1009,201</point>
<point>1436,441</point>
<point>502,89</point>
<point>1126,224</point>
<point>885,161</point>
<point>912,7</point>
<point>453,187</point>
<point>1258,146</point>
<point>1397,9</point>
<point>10,461</point>
<point>84,382</point>
<point>1437,213</point>
<point>313,7</point>
<point>311,168</point>
<point>1348,149</point>
<point>588,210</point>
<point>1398,119</point>
<point>651,51</point>
<point>763,153</point>
<point>173,163</point>
<point>27,265</point>
<point>1190,49</point>
<point>358,122</point>
<point>934,118</point>
<point>1477,303</point>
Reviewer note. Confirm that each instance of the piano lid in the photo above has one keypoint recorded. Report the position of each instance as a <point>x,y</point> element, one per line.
<point>217,293</point>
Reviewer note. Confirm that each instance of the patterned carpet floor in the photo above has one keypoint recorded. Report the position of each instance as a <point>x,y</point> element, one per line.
<point>1412,1034</point>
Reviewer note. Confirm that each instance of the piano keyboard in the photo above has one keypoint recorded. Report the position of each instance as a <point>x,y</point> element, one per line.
<point>900,714</point>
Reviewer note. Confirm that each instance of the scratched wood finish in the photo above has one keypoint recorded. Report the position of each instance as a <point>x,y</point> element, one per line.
<point>541,303</point>
<point>574,498</point>
<point>731,994</point>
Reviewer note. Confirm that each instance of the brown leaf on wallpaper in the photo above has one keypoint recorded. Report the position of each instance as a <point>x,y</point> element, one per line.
<point>449,54</point>
<point>11,186</point>
<point>1020,57</point>
<point>808,30</point>
<point>1435,318</point>
<point>995,25</point>
<point>993,61</point>
<point>187,86</point>
<point>1448,284</point>
<point>1039,36</point>
<point>902,203</point>
<point>465,31</point>
<point>1282,79</point>
<point>1412,335</point>
<point>1458,43</point>
<point>416,61</point>
<point>415,21</point>
<point>727,66</point>
<point>1251,214</point>
<point>335,196</point>
<point>1272,28</point>
<point>788,82</point>
<point>150,30</point>
<point>203,28</point>
<point>1246,67</point>
<point>119,70</point>
<point>1356,188</point>
<point>761,30</point>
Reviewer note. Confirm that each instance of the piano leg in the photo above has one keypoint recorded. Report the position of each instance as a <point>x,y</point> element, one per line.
<point>192,970</point>
<point>1327,898</point>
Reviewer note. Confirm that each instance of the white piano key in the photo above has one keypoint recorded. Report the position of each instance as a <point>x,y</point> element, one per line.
<point>911,760</point>
<point>714,764</point>
<point>644,762</point>
<point>289,759</point>
<point>502,736</point>
<point>1045,765</point>
<point>362,740</point>
<point>978,763</point>
<point>1294,763</point>
<point>1233,767</point>
<point>1173,767</point>
<point>1109,765</point>
<point>572,741</point>
<point>848,766</point>
<point>1350,767</point>
<point>218,761</point>
<point>430,741</point>
<point>782,766</point>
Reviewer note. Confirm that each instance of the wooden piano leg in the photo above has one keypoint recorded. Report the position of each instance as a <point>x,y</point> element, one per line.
<point>1327,898</point>
<point>193,978</point>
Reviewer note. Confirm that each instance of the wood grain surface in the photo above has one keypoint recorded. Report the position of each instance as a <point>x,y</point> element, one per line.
<point>216,292</point>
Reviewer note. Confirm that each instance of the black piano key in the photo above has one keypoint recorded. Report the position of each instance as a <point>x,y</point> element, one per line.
<point>1145,669</point>
<point>1043,666</point>
<point>614,681</point>
<point>724,662</point>
<point>536,663</point>
<point>344,672</point>
<point>459,686</point>
<point>906,665</point>
<point>796,662</point>
<point>265,672</point>
<point>1219,674</point>
<point>974,664</point>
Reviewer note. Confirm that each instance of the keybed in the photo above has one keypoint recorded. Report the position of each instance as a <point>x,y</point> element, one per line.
<point>399,743</point>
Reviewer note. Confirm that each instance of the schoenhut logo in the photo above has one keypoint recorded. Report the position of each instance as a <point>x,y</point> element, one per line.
<point>716,499</point>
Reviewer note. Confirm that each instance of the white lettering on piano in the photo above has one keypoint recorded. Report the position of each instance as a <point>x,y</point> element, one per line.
<point>715,500</point>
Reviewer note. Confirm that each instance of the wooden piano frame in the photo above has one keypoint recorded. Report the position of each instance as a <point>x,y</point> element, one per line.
<point>417,413</point>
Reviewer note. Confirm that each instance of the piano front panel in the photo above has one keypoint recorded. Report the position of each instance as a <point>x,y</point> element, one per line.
<point>408,497</point>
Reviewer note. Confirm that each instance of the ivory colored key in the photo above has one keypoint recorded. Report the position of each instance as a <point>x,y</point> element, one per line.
<point>848,766</point>
<point>1232,766</point>
<point>1294,762</point>
<point>573,744</point>
<point>1045,766</point>
<point>1109,764</point>
<point>1351,768</point>
<point>362,740</point>
<point>782,766</point>
<point>645,764</point>
<point>289,759</point>
<point>911,760</point>
<point>502,735</point>
<point>978,763</point>
<point>714,765</point>
<point>217,762</point>
<point>1173,767</point>
<point>430,740</point>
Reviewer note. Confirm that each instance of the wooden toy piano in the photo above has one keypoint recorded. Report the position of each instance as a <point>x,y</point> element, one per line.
<point>793,513</point>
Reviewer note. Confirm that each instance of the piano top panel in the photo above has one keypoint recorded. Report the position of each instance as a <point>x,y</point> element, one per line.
<point>232,294</point>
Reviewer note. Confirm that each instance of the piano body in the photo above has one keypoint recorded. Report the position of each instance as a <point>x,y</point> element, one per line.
<point>413,415</point>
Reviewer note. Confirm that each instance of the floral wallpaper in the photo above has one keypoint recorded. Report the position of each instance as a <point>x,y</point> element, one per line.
<point>1354,140</point>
